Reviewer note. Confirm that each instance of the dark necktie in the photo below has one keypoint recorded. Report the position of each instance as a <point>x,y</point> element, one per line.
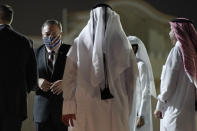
<point>51,56</point>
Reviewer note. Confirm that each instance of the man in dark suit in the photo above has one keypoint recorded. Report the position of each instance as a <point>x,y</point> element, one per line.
<point>51,59</point>
<point>17,71</point>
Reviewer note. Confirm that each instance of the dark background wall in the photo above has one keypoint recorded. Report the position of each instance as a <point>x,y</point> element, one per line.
<point>30,14</point>
<point>180,8</point>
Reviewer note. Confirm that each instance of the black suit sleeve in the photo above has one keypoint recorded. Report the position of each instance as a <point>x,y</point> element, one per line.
<point>32,72</point>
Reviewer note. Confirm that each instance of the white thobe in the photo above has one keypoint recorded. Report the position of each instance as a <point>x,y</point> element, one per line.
<point>92,113</point>
<point>142,103</point>
<point>177,95</point>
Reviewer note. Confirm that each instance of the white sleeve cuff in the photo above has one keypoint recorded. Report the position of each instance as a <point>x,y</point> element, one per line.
<point>160,105</point>
<point>140,113</point>
<point>141,109</point>
<point>69,107</point>
<point>40,81</point>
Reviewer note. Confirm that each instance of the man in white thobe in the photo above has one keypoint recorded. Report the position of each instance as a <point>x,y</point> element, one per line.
<point>176,101</point>
<point>141,116</point>
<point>100,75</point>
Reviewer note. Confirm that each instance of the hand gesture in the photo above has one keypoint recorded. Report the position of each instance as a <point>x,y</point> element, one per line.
<point>45,85</point>
<point>56,87</point>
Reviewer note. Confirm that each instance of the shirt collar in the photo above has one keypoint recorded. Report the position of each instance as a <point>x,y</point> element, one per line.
<point>5,25</point>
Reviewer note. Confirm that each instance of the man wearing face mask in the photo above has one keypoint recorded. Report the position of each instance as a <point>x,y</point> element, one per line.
<point>51,59</point>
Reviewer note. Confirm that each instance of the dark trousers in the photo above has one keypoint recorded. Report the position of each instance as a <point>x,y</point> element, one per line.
<point>50,125</point>
<point>10,124</point>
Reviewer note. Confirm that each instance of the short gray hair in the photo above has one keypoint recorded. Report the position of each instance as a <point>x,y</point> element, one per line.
<point>52,22</point>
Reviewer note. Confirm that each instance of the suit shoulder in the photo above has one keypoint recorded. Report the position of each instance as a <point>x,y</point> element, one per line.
<point>23,38</point>
<point>36,50</point>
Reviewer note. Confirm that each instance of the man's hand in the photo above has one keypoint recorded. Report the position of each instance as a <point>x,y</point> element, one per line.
<point>44,84</point>
<point>140,121</point>
<point>67,118</point>
<point>56,88</point>
<point>158,114</point>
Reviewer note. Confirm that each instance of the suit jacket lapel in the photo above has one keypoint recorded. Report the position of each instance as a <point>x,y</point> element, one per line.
<point>59,61</point>
<point>59,56</point>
